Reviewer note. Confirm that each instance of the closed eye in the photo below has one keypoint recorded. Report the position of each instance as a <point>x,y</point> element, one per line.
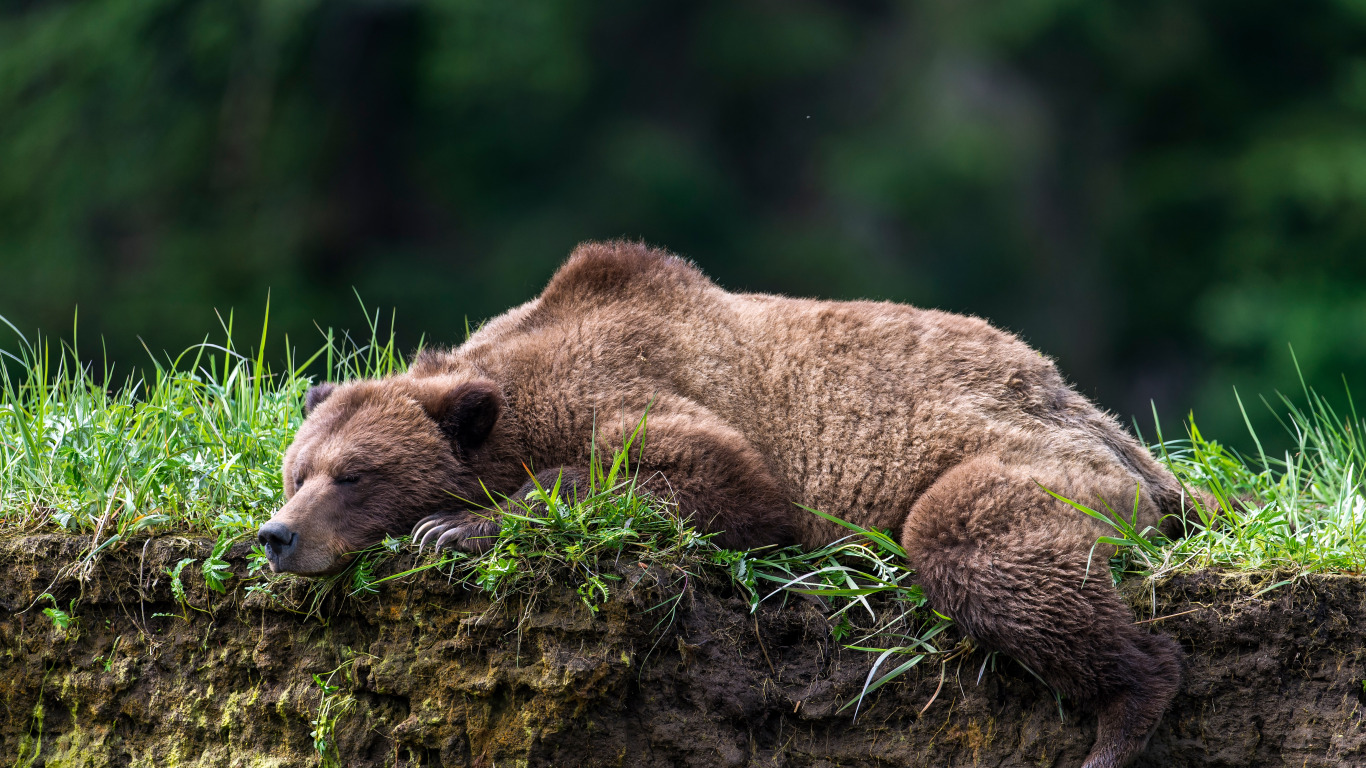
<point>348,479</point>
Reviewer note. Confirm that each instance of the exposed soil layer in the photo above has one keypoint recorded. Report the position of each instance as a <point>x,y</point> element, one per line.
<point>426,674</point>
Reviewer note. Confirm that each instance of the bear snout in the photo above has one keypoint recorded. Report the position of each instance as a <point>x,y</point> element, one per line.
<point>278,541</point>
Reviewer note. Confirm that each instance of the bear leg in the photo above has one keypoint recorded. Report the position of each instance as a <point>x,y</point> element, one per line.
<point>1128,719</point>
<point>1022,574</point>
<point>717,479</point>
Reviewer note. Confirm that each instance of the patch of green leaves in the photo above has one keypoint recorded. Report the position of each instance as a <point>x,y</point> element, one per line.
<point>363,573</point>
<point>61,619</point>
<point>178,586</point>
<point>216,570</point>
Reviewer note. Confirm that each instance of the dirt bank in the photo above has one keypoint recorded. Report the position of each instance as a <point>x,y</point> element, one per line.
<point>425,674</point>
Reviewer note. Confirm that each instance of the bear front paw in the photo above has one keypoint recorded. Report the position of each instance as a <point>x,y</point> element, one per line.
<point>457,531</point>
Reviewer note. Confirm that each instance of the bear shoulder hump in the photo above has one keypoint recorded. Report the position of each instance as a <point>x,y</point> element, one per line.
<point>620,269</point>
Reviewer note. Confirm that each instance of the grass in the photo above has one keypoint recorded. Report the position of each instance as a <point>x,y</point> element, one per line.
<point>193,445</point>
<point>1301,512</point>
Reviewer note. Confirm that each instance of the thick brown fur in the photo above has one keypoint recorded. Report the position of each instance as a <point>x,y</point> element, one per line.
<point>936,426</point>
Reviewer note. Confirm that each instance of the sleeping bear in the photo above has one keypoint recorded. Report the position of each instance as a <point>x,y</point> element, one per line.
<point>934,426</point>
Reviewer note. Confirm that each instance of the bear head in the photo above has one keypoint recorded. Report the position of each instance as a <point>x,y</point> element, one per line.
<point>372,458</point>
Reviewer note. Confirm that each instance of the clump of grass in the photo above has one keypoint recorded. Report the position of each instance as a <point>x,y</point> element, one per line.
<point>192,444</point>
<point>1301,512</point>
<point>867,588</point>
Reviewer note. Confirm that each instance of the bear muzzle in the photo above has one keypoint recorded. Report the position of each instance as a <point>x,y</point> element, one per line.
<point>279,542</point>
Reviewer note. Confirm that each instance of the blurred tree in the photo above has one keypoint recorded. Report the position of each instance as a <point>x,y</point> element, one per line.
<point>1163,195</point>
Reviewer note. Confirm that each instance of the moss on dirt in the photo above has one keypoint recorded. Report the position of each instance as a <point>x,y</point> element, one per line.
<point>426,674</point>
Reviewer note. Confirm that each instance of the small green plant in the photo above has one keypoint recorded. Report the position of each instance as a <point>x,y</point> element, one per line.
<point>61,619</point>
<point>841,629</point>
<point>31,745</point>
<point>333,705</point>
<point>177,586</point>
<point>107,661</point>
<point>363,573</point>
<point>216,570</point>
<point>257,561</point>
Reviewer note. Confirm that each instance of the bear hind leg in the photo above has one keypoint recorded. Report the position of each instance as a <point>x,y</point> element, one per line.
<point>1016,569</point>
<point>1128,719</point>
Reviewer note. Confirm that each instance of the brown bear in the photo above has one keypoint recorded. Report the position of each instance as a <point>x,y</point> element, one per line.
<point>935,426</point>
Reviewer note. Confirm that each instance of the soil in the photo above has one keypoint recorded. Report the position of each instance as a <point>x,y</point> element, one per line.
<point>428,673</point>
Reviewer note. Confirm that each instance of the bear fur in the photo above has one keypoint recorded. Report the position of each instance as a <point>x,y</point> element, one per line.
<point>935,426</point>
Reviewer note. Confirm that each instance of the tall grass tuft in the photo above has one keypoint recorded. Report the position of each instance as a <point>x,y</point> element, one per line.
<point>1302,511</point>
<point>191,443</point>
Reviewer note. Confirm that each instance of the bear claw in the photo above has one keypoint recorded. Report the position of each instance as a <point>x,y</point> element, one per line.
<point>447,531</point>
<point>426,526</point>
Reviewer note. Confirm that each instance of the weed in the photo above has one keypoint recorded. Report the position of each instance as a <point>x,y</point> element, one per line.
<point>108,661</point>
<point>177,586</point>
<point>31,745</point>
<point>215,568</point>
<point>257,560</point>
<point>363,573</point>
<point>61,619</point>
<point>333,705</point>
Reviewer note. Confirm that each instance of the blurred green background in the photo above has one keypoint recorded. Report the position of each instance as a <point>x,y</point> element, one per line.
<point>1163,195</point>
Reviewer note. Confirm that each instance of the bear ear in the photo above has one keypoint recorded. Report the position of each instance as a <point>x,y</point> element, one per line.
<point>468,413</point>
<point>316,395</point>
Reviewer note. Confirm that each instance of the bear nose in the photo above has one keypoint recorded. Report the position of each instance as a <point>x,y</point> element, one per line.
<point>277,539</point>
